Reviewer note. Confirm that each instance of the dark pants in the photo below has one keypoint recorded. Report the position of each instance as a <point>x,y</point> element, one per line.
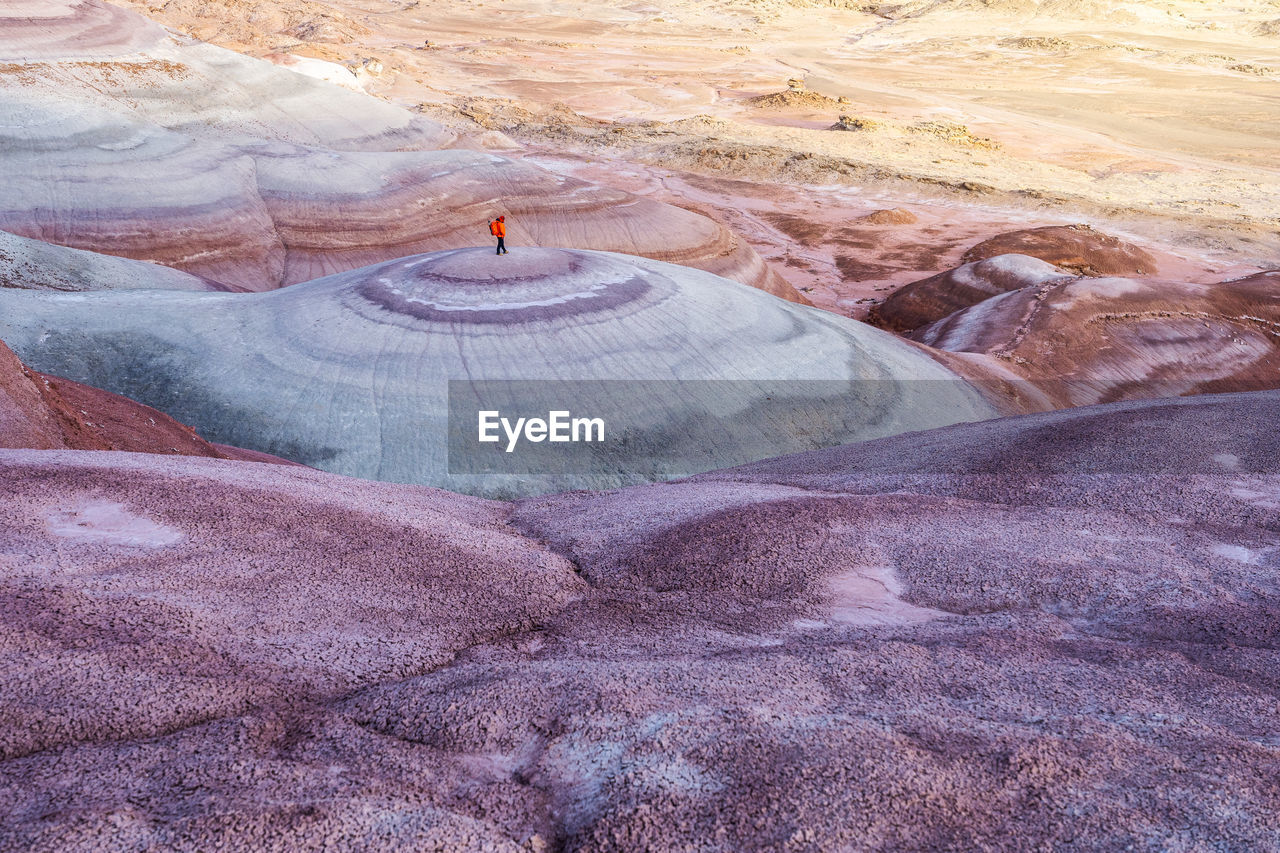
<point>502,246</point>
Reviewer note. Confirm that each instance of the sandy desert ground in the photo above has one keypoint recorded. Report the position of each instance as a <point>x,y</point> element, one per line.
<point>1039,610</point>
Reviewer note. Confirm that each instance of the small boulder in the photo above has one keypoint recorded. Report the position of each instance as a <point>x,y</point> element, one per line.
<point>890,216</point>
<point>853,123</point>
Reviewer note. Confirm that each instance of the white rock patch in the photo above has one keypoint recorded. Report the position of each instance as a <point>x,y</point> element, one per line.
<point>1239,553</point>
<point>109,523</point>
<point>868,595</point>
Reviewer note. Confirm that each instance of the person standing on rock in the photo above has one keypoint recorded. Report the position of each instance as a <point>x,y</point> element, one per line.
<point>498,228</point>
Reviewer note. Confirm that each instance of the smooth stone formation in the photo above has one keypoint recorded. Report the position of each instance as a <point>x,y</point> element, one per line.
<point>35,265</point>
<point>72,29</point>
<point>1061,626</point>
<point>928,300</point>
<point>118,137</point>
<point>349,373</point>
<point>1082,341</point>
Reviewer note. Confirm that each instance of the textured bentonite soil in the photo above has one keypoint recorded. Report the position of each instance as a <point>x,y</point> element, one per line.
<point>1055,631</point>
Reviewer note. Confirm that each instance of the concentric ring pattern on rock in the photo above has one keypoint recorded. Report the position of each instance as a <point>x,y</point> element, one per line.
<point>350,373</point>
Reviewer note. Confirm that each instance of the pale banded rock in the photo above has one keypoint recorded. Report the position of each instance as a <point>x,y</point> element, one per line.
<point>119,137</point>
<point>350,372</point>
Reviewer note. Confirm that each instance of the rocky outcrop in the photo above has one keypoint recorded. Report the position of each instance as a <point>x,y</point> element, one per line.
<point>793,98</point>
<point>854,123</point>
<point>1089,340</point>
<point>351,373</point>
<point>123,139</point>
<point>1078,248</point>
<point>1062,627</point>
<point>890,216</point>
<point>928,300</point>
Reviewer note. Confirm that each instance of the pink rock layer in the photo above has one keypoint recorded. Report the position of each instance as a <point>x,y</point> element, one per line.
<point>44,412</point>
<point>1094,340</point>
<point>1056,631</point>
<point>75,29</point>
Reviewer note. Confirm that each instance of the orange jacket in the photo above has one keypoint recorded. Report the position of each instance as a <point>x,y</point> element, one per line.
<point>498,229</point>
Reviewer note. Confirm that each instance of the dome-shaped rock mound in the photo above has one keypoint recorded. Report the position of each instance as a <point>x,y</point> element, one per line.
<point>352,373</point>
<point>929,300</point>
<point>1078,248</point>
<point>1096,340</point>
<point>890,216</point>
